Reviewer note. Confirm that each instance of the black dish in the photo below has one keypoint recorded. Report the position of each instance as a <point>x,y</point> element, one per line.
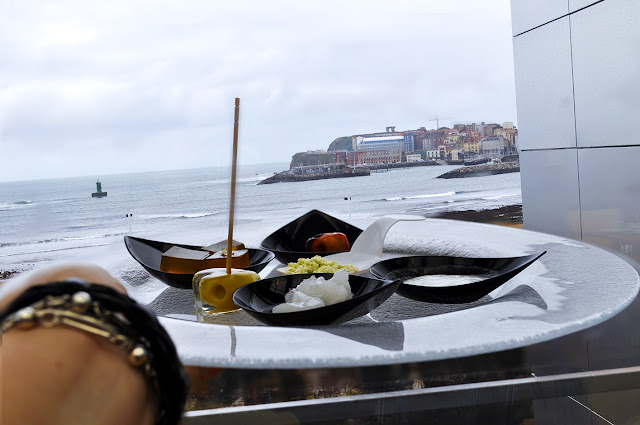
<point>497,272</point>
<point>259,298</point>
<point>288,242</point>
<point>149,253</point>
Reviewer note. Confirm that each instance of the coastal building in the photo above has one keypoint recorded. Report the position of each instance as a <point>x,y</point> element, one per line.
<point>489,129</point>
<point>493,145</point>
<point>414,157</point>
<point>431,138</point>
<point>440,143</point>
<point>341,157</point>
<point>456,155</point>
<point>450,146</point>
<point>420,143</point>
<point>383,142</point>
<point>382,156</point>
<point>389,140</point>
<point>356,158</point>
<point>471,146</point>
<point>433,154</point>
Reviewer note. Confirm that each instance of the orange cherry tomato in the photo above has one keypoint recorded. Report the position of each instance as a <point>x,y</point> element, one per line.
<point>328,242</point>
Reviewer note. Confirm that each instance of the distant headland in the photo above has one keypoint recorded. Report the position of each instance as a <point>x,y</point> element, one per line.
<point>358,155</point>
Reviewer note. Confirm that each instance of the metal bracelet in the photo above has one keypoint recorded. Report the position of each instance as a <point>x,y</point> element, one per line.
<point>81,312</point>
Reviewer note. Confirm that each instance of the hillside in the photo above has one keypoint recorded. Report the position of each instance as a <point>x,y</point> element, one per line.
<point>340,144</point>
<point>305,158</point>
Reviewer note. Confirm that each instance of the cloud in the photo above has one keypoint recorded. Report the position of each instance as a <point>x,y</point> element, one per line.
<point>150,84</point>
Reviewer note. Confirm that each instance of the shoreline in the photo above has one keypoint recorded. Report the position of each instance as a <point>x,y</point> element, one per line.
<point>287,177</point>
<point>508,215</point>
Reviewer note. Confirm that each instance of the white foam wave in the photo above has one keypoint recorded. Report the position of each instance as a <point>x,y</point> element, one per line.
<point>249,179</point>
<point>432,195</point>
<point>14,205</point>
<point>216,181</point>
<point>63,239</point>
<point>179,215</point>
<point>507,195</point>
<point>256,178</point>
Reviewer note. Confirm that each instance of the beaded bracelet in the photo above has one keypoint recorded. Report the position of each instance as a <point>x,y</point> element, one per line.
<point>107,313</point>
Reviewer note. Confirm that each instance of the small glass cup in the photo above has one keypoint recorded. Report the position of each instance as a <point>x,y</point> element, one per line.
<point>214,288</point>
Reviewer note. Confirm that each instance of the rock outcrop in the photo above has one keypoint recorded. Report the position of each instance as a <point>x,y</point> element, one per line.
<point>287,176</point>
<point>482,170</point>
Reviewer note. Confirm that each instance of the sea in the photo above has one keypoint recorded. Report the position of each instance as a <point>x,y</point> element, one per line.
<point>46,220</point>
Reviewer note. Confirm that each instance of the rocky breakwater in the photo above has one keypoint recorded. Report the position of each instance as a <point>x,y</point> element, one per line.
<point>288,176</point>
<point>482,170</point>
<point>403,165</point>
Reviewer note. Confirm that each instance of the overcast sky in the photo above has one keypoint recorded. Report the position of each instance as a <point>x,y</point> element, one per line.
<point>90,88</point>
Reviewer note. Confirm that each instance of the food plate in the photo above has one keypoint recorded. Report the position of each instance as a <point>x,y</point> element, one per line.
<point>259,298</point>
<point>288,242</point>
<point>149,253</point>
<point>572,287</point>
<point>464,280</point>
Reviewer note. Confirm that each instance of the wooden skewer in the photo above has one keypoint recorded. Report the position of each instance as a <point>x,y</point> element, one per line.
<point>233,186</point>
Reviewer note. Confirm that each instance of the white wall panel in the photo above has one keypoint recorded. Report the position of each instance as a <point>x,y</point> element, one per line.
<point>579,4</point>
<point>544,89</point>
<point>550,194</point>
<point>610,196</point>
<point>527,14</point>
<point>606,69</point>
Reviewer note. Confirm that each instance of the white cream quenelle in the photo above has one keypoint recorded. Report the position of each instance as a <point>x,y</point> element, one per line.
<point>316,292</point>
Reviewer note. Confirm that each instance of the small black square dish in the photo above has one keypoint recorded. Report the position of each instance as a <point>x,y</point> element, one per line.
<point>289,242</point>
<point>259,298</point>
<point>149,254</point>
<point>450,280</point>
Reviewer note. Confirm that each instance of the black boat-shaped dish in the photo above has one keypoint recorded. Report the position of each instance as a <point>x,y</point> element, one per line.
<point>149,254</point>
<point>259,298</point>
<point>288,242</point>
<point>460,280</point>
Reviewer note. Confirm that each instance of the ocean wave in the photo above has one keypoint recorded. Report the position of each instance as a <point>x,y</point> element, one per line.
<point>62,200</point>
<point>250,179</point>
<point>16,204</point>
<point>41,251</point>
<point>507,195</point>
<point>433,195</point>
<point>63,239</point>
<point>179,215</point>
<point>216,181</point>
<point>257,178</point>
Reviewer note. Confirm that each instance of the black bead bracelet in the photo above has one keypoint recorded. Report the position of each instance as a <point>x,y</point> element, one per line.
<point>107,313</point>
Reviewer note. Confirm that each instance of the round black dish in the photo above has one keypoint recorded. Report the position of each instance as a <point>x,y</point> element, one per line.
<point>149,253</point>
<point>497,272</point>
<point>259,298</point>
<point>288,242</point>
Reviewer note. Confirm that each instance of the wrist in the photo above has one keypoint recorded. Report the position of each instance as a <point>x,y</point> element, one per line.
<point>114,317</point>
